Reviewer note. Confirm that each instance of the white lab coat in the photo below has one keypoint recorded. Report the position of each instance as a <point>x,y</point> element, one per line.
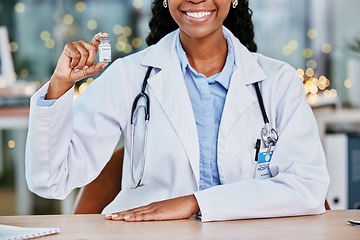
<point>69,144</point>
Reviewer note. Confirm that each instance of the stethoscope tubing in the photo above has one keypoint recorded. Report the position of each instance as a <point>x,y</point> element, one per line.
<point>261,103</point>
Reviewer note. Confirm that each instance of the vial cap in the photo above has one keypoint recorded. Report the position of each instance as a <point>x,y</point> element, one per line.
<point>104,39</point>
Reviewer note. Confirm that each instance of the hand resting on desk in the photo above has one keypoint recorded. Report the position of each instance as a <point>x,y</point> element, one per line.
<point>171,209</point>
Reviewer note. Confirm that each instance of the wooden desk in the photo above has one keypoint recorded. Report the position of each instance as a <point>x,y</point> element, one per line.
<point>328,226</point>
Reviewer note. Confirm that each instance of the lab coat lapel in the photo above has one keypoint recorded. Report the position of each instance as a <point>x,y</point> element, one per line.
<point>170,89</point>
<point>238,99</point>
<point>241,94</point>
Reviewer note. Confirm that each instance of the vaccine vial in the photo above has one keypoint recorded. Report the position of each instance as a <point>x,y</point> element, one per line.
<point>105,50</point>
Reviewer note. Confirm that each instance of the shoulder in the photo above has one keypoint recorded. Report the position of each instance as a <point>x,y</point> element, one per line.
<point>273,66</point>
<point>155,55</point>
<point>256,66</point>
<point>279,73</point>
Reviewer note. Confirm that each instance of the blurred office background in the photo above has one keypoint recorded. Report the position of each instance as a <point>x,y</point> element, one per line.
<point>320,38</point>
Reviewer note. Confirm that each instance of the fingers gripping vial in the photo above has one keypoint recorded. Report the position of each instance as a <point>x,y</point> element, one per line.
<point>104,50</point>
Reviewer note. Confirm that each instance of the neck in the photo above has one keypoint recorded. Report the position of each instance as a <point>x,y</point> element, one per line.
<point>206,55</point>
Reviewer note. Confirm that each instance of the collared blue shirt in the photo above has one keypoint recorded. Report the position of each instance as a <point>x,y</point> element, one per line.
<point>207,95</point>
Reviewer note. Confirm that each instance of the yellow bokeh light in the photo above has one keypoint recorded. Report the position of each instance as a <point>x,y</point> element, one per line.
<point>333,93</point>
<point>120,46</point>
<point>322,78</point>
<point>308,53</point>
<point>122,39</point>
<point>37,84</point>
<point>136,42</point>
<point>327,93</point>
<point>50,43</point>
<point>322,83</point>
<point>20,7</point>
<point>326,48</point>
<point>80,6</point>
<point>347,83</point>
<point>45,35</point>
<point>127,31</point>
<point>313,98</point>
<point>11,144</point>
<point>311,64</point>
<point>322,86</point>
<point>309,72</point>
<point>307,87</point>
<point>117,29</point>
<point>89,80</point>
<point>128,48</point>
<point>92,24</point>
<point>68,19</point>
<point>24,73</point>
<point>82,87</point>
<point>13,46</point>
<point>312,33</point>
<point>314,89</point>
<point>314,81</point>
<point>286,50</point>
<point>293,44</point>
<point>138,3</point>
<point>327,82</point>
<point>306,90</point>
<point>300,72</point>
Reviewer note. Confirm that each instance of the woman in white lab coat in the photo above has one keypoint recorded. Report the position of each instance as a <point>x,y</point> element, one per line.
<point>69,142</point>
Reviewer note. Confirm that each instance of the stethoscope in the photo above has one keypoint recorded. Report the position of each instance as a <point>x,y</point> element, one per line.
<point>134,111</point>
<point>268,134</point>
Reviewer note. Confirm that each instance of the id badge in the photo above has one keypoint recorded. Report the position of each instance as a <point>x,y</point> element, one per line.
<point>262,168</point>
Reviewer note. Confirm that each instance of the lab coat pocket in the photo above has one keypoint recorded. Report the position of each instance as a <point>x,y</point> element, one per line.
<point>248,163</point>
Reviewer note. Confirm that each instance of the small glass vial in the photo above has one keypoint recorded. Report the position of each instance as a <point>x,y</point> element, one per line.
<point>105,50</point>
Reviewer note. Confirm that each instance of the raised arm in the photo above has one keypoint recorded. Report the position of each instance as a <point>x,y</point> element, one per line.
<point>75,63</point>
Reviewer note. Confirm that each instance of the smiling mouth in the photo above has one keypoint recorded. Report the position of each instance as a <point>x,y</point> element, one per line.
<point>198,15</point>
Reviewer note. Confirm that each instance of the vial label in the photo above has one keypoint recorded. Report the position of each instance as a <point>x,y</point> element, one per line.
<point>105,50</point>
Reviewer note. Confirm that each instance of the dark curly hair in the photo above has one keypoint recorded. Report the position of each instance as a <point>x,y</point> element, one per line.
<point>238,22</point>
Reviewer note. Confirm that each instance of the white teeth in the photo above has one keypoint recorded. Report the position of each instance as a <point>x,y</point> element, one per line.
<point>198,14</point>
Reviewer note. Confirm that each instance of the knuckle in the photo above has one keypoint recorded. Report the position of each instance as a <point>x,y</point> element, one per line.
<point>77,55</point>
<point>92,48</point>
<point>85,53</point>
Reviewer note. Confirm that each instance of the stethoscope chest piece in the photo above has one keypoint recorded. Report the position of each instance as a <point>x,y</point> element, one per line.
<point>269,136</point>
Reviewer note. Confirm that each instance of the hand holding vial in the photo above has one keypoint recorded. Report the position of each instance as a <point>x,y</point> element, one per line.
<point>76,62</point>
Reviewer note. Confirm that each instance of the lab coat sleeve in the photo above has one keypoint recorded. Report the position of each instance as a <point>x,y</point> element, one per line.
<point>70,142</point>
<point>298,166</point>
